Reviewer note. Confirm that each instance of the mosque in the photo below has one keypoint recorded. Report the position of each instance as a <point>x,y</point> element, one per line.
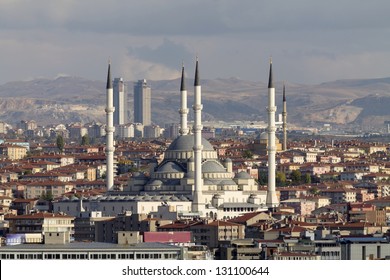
<point>191,180</point>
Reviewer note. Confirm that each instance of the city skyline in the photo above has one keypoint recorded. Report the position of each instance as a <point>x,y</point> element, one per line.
<point>310,42</point>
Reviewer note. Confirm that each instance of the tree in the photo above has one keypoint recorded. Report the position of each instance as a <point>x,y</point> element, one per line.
<point>280,178</point>
<point>315,191</point>
<point>263,178</point>
<point>60,143</point>
<point>307,178</point>
<point>247,154</point>
<point>47,195</point>
<point>85,140</point>
<point>296,177</point>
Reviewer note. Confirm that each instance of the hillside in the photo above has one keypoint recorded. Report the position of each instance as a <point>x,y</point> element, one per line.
<point>352,103</point>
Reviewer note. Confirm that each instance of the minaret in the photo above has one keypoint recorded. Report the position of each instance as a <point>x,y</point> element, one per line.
<point>198,204</point>
<point>284,119</point>
<point>183,108</point>
<point>109,132</point>
<point>272,200</point>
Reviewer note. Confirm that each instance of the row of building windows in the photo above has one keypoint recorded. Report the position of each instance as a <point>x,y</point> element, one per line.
<point>240,209</point>
<point>86,256</point>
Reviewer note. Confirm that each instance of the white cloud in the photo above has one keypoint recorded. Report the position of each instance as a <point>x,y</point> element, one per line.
<point>133,69</point>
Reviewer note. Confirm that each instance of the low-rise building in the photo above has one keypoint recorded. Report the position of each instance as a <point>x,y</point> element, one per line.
<point>43,223</point>
<point>13,152</point>
<point>211,233</point>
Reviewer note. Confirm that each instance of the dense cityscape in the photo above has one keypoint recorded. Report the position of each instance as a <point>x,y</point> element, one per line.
<point>122,190</point>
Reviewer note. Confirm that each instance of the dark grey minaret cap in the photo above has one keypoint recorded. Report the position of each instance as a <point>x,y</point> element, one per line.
<point>109,80</point>
<point>270,81</point>
<point>284,93</point>
<point>183,84</point>
<point>196,82</point>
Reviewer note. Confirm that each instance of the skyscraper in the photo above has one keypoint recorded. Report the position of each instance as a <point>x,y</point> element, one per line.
<point>142,103</point>
<point>120,102</point>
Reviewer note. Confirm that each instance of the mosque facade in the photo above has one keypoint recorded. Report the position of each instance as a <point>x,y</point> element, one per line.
<point>216,191</point>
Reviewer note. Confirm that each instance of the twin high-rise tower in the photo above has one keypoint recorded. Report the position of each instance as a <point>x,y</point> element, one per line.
<point>142,103</point>
<point>120,102</point>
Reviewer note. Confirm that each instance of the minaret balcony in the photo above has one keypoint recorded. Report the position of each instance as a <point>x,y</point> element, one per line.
<point>110,129</point>
<point>198,148</point>
<point>271,129</point>
<point>183,111</point>
<point>198,127</point>
<point>197,107</point>
<point>110,149</point>
<point>271,108</point>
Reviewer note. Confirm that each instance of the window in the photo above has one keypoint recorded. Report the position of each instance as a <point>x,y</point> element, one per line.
<point>378,251</point>
<point>363,252</point>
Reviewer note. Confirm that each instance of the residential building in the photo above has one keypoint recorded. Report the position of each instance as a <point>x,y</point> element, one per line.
<point>211,233</point>
<point>41,222</point>
<point>365,248</point>
<point>13,152</point>
<point>35,189</point>
<point>340,195</point>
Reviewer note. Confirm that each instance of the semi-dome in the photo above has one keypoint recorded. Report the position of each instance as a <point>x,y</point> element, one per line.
<point>156,183</point>
<point>138,175</point>
<point>212,166</point>
<point>170,167</point>
<point>264,136</point>
<point>242,175</point>
<point>227,183</point>
<point>190,174</point>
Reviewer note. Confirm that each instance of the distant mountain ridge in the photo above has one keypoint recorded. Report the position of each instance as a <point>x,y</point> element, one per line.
<point>351,103</point>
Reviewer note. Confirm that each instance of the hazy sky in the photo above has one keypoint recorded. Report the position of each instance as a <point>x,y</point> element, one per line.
<point>310,41</point>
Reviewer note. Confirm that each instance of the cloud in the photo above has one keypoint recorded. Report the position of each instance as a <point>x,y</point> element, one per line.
<point>196,17</point>
<point>232,38</point>
<point>132,69</point>
<point>168,53</point>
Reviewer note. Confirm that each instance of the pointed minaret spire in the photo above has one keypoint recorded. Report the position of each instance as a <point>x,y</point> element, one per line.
<point>198,204</point>
<point>196,82</point>
<point>183,84</point>
<point>110,129</point>
<point>109,80</point>
<point>183,111</point>
<point>272,199</point>
<point>270,81</point>
<point>284,92</point>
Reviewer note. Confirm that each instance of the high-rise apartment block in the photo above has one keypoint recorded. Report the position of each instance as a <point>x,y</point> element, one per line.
<point>120,102</point>
<point>142,103</point>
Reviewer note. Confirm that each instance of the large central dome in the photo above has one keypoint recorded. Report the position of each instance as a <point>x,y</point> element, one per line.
<point>182,149</point>
<point>186,143</point>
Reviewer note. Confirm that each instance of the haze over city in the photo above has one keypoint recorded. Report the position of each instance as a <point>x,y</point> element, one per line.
<point>310,41</point>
